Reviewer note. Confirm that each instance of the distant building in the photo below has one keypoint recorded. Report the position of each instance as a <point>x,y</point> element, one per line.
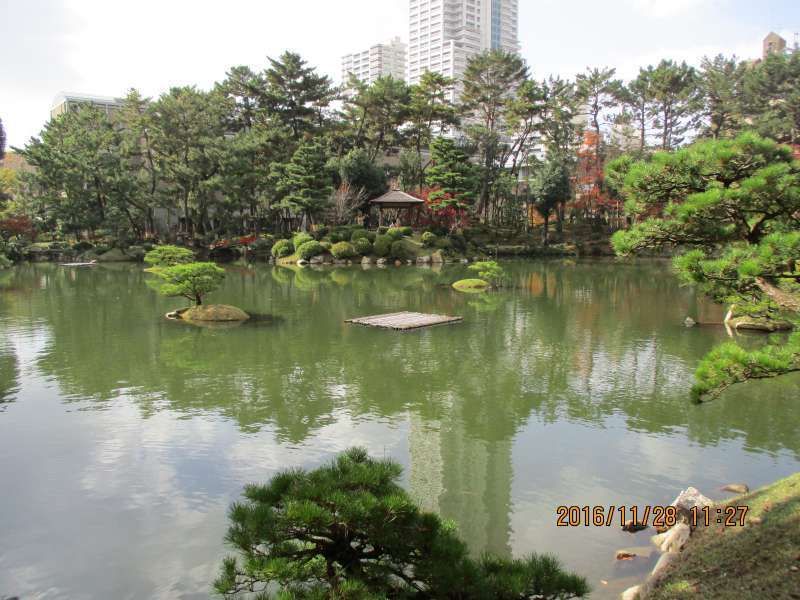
<point>773,44</point>
<point>444,34</point>
<point>381,60</point>
<point>67,102</point>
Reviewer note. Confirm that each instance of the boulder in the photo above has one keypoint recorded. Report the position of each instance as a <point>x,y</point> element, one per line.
<point>659,570</point>
<point>736,488</point>
<point>691,498</point>
<point>214,312</point>
<point>423,260</point>
<point>689,322</point>
<point>114,255</point>
<point>437,257</point>
<point>398,263</point>
<point>754,324</point>
<point>317,260</point>
<point>464,261</point>
<point>673,539</point>
<point>367,260</point>
<point>382,262</point>
<point>632,593</point>
<point>302,262</point>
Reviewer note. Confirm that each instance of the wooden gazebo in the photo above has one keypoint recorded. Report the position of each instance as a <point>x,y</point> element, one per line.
<point>396,200</point>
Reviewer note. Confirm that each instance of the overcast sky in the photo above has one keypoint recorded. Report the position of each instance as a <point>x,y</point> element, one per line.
<point>104,47</point>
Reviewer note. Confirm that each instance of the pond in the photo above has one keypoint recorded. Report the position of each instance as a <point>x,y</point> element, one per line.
<point>124,436</point>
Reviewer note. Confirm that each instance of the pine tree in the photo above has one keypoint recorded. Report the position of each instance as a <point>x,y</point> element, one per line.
<point>734,206</point>
<point>305,182</point>
<point>348,530</point>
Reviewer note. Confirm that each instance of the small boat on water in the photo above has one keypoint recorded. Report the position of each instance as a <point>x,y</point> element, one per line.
<point>79,264</point>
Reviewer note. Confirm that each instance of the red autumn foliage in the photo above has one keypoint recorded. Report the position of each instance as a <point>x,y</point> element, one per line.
<point>434,215</point>
<point>590,198</point>
<point>17,226</point>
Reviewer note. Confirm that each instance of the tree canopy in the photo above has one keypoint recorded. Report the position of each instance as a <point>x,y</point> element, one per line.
<point>733,206</point>
<point>348,530</point>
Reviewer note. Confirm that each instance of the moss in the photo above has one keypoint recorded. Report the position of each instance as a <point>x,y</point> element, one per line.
<point>214,312</point>
<point>742,563</point>
<point>471,286</point>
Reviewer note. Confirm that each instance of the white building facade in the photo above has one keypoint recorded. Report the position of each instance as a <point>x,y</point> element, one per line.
<point>444,34</point>
<point>380,60</point>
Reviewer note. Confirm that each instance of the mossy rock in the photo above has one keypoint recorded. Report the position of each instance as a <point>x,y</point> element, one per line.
<point>214,312</point>
<point>471,286</point>
<point>115,255</point>
<point>755,324</point>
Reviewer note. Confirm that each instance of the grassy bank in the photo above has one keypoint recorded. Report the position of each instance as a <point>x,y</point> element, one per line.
<point>757,561</point>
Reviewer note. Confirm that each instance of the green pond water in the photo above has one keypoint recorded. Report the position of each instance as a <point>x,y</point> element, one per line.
<point>124,436</point>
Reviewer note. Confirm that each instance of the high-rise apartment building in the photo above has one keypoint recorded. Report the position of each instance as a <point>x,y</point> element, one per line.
<point>773,44</point>
<point>444,34</point>
<point>380,60</point>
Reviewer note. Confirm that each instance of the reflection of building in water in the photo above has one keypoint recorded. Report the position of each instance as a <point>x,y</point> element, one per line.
<point>464,479</point>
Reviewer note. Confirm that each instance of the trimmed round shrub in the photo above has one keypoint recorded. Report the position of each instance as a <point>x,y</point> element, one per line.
<point>300,238</point>
<point>395,232</point>
<point>282,248</point>
<point>342,250</point>
<point>338,236</point>
<point>310,249</point>
<point>371,236</point>
<point>406,230</point>
<point>428,239</point>
<point>382,246</point>
<point>382,230</point>
<point>358,234</point>
<point>363,246</point>
<point>400,251</point>
<point>326,245</point>
<point>321,232</point>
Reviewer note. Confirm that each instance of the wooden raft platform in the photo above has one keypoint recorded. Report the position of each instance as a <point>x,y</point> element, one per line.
<point>404,321</point>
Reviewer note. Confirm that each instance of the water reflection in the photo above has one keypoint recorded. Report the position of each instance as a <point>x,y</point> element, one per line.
<point>571,383</point>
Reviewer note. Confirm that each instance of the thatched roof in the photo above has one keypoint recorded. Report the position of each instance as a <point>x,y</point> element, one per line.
<point>397,199</point>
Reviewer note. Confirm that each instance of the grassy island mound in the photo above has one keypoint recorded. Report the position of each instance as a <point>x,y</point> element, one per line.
<point>759,560</point>
<point>214,312</point>
<point>471,286</point>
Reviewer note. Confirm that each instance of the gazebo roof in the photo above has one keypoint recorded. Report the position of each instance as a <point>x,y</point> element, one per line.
<point>397,199</point>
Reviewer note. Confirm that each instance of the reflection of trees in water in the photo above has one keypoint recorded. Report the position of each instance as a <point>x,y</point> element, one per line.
<point>579,341</point>
<point>9,376</point>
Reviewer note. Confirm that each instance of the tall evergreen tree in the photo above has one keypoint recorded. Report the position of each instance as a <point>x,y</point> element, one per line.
<point>676,102</point>
<point>490,81</point>
<point>636,98</point>
<point>721,82</point>
<point>188,136</point>
<point>772,97</point>
<point>452,176</point>
<point>599,92</point>
<point>304,184</point>
<point>296,94</point>
<point>2,141</point>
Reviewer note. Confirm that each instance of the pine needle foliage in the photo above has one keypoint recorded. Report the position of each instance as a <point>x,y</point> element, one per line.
<point>733,206</point>
<point>347,530</point>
